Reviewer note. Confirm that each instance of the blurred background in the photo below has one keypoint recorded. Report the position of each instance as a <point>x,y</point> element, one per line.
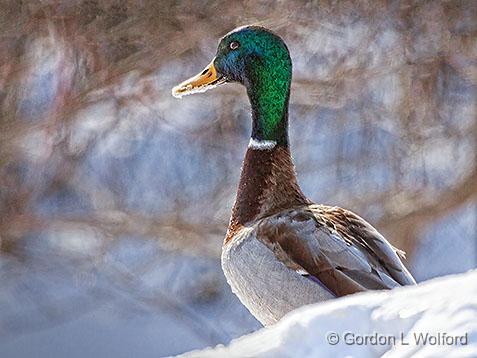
<point>115,196</point>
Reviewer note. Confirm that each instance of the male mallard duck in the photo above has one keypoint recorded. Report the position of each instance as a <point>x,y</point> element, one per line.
<point>282,251</point>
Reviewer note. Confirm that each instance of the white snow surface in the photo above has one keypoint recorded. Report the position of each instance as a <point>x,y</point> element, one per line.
<point>391,321</point>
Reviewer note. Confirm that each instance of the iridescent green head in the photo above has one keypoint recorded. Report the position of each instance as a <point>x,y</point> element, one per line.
<point>258,59</point>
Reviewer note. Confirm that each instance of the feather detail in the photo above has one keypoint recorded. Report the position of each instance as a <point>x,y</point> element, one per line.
<point>334,245</point>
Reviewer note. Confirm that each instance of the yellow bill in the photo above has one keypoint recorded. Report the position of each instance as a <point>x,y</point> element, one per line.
<point>202,82</point>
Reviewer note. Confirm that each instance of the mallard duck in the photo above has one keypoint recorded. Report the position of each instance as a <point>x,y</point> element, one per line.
<point>281,250</point>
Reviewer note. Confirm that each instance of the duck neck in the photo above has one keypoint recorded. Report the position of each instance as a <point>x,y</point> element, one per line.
<point>268,89</point>
<point>268,181</point>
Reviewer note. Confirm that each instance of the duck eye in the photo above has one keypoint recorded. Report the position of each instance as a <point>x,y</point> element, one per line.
<point>234,45</point>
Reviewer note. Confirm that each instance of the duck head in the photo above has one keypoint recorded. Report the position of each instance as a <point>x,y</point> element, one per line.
<point>258,59</point>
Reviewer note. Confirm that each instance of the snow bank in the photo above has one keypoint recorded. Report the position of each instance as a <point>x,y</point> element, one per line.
<point>437,318</point>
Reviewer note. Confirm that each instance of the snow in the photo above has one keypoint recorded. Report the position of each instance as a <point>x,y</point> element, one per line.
<point>394,323</point>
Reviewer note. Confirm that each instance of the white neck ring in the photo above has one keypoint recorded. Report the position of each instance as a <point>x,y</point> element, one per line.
<point>261,144</point>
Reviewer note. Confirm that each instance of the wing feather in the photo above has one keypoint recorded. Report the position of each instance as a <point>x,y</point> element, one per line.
<point>336,246</point>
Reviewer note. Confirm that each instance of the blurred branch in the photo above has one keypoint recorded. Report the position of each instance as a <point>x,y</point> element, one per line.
<point>405,228</point>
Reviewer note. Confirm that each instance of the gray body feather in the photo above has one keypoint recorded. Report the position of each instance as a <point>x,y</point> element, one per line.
<point>264,284</point>
<point>266,262</point>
